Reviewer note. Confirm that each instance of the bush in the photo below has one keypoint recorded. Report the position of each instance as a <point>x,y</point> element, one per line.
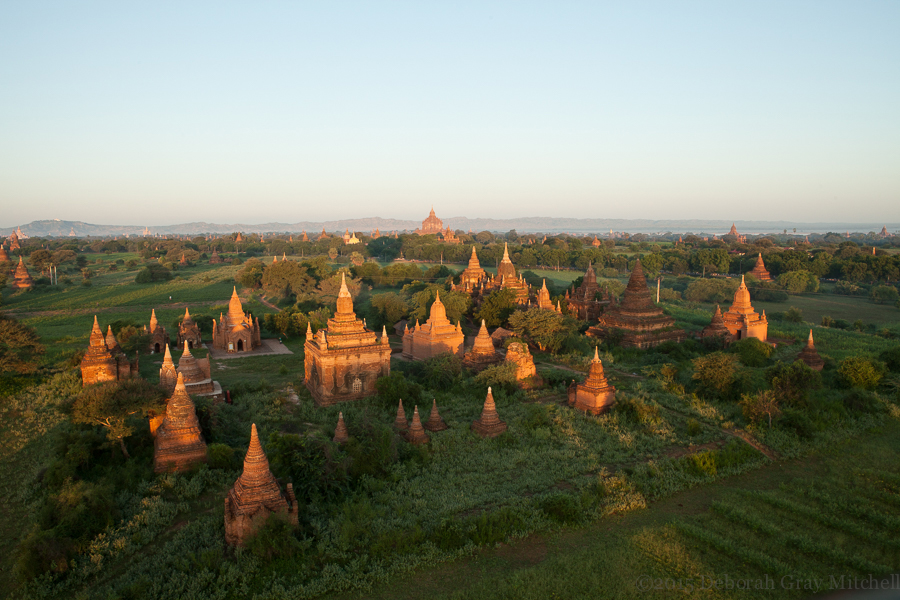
<point>884,294</point>
<point>396,387</point>
<point>793,315</point>
<point>562,508</point>
<point>751,352</point>
<point>716,372</point>
<point>891,358</point>
<point>861,372</point>
<point>767,295</point>
<point>221,456</point>
<point>275,539</point>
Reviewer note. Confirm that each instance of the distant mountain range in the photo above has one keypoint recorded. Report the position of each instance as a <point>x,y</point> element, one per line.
<point>57,228</point>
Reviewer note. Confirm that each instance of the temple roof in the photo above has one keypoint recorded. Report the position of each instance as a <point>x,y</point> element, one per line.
<point>188,366</point>
<point>111,342</point>
<point>256,487</point>
<point>741,302</point>
<point>235,308</point>
<point>180,410</point>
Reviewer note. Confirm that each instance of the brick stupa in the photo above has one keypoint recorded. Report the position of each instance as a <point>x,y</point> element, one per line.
<point>188,331</point>
<point>400,423</point>
<point>435,421</point>
<point>595,395</point>
<point>416,434</point>
<point>214,258</point>
<point>255,496</point>
<point>21,278</point>
<point>759,270</point>
<point>159,337</point>
<point>437,336</point>
<point>518,354</point>
<point>641,323</point>
<point>344,360</point>
<point>742,321</point>
<point>489,425</point>
<point>472,276</point>
<point>341,435</point>
<point>810,355</point>
<point>178,444</point>
<point>717,327</point>
<point>4,257</point>
<point>482,354</point>
<point>100,363</point>
<point>582,303</point>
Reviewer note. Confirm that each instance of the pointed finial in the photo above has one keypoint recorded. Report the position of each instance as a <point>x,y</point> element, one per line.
<point>596,355</point>
<point>344,293</point>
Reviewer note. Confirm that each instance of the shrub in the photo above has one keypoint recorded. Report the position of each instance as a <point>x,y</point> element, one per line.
<point>793,382</point>
<point>884,294</point>
<point>751,352</point>
<point>793,315</point>
<point>562,508</point>
<point>693,427</point>
<point>861,372</point>
<point>716,371</point>
<point>275,539</point>
<point>763,405</point>
<point>396,387</point>
<point>221,456</point>
<point>891,358</point>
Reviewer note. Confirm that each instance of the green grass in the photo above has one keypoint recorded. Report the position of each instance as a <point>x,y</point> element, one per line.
<point>849,308</point>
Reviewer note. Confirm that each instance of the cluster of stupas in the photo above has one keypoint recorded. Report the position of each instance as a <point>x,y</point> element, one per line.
<point>640,322</point>
<point>437,336</point>
<point>196,373</point>
<point>105,360</point>
<point>740,322</point>
<point>343,360</point>
<point>235,330</point>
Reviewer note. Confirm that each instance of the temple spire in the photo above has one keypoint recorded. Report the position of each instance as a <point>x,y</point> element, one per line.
<point>341,434</point>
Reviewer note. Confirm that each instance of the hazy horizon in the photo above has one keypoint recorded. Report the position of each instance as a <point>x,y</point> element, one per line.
<point>233,113</point>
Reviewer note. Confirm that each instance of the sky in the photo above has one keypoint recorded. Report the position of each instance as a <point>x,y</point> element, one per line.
<point>251,112</point>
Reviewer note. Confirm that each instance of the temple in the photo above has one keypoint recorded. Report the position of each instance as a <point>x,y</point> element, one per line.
<point>21,278</point>
<point>526,373</point>
<point>4,257</point>
<point>472,276</point>
<point>189,332</point>
<point>595,395</point>
<point>641,323</point>
<point>759,270</point>
<point>255,496</point>
<point>14,242</point>
<point>489,424</point>
<point>416,434</point>
<point>341,435</point>
<point>159,338</point>
<point>482,354</point>
<point>543,298</point>
<point>195,371</point>
<point>435,337</point>
<point>214,258</point>
<point>741,239</point>
<point>435,421</point>
<point>717,327</point>
<point>431,225</point>
<point>105,360</point>
<point>449,236</point>
<point>178,444</point>
<point>810,355</point>
<point>344,360</point>
<point>583,303</point>
<point>236,331</point>
<point>742,321</point>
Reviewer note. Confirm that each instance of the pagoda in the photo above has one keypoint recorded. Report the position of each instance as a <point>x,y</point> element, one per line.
<point>105,360</point>
<point>178,443</point>
<point>214,258</point>
<point>449,236</point>
<point>489,424</point>
<point>323,236</point>
<point>197,374</point>
<point>739,238</point>
<point>641,323</point>
<point>595,395</point>
<point>4,257</point>
<point>400,423</point>
<point>810,355</point>
<point>472,276</point>
<point>436,336</point>
<point>526,373</point>
<point>482,354</point>
<point>344,360</point>
<point>742,321</point>
<point>583,303</point>
<point>431,225</point>
<point>14,242</point>
<point>21,278</point>
<point>435,421</point>
<point>159,337</point>
<point>416,434</point>
<point>236,331</point>
<point>717,327</point>
<point>255,496</point>
<point>341,435</point>
<point>759,270</point>
<point>543,298</point>
<point>188,331</point>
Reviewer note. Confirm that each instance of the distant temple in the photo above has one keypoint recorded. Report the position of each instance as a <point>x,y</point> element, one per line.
<point>583,303</point>
<point>21,278</point>
<point>482,354</point>
<point>105,360</point>
<point>344,360</point>
<point>255,496</point>
<point>436,336</point>
<point>323,236</point>
<point>14,242</point>
<point>595,395</point>
<point>214,258</point>
<point>472,276</point>
<point>4,257</point>
<point>742,239</point>
<point>178,443</point>
<point>159,337</point>
<point>641,323</point>
<point>810,355</point>
<point>759,270</point>
<point>450,236</point>
<point>236,331</point>
<point>431,225</point>
<point>742,321</point>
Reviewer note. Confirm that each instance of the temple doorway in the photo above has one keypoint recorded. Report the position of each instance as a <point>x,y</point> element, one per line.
<point>156,348</point>
<point>240,345</point>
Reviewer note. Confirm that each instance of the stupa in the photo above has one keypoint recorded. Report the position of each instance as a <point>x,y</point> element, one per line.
<point>810,355</point>
<point>197,375</point>
<point>759,270</point>
<point>21,278</point>
<point>543,298</point>
<point>189,332</point>
<point>236,331</point>
<point>100,363</point>
<point>489,424</point>
<point>435,421</point>
<point>4,257</point>
<point>583,303</point>
<point>472,276</point>
<point>741,320</point>
<point>717,327</point>
<point>344,360</point>
<point>526,373</point>
<point>159,337</point>
<point>256,496</point>
<point>178,443</point>
<point>214,258</point>
<point>641,323</point>
<point>482,354</point>
<point>400,423</point>
<point>416,434</point>
<point>437,336</point>
<point>595,395</point>
<point>341,435</point>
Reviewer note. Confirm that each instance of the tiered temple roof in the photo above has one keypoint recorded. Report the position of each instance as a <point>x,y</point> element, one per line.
<point>759,270</point>
<point>741,320</point>
<point>482,354</point>
<point>489,424</point>
<point>431,224</point>
<point>472,276</point>
<point>810,355</point>
<point>583,303</point>
<point>435,421</point>
<point>543,298</point>
<point>344,360</point>
<point>255,496</point>
<point>717,327</point>
<point>21,278</point>
<point>641,322</point>
<point>436,336</point>
<point>595,395</point>
<point>416,434</point>
<point>178,444</point>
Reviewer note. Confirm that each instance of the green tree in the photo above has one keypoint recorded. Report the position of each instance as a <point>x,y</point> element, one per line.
<point>251,275</point>
<point>759,405</point>
<point>546,328</point>
<point>456,304</point>
<point>716,372</point>
<point>884,294</point>
<point>497,307</point>
<point>116,406</point>
<point>286,278</point>
<point>40,259</point>
<point>20,347</point>
<point>391,306</point>
<point>862,372</point>
<point>793,382</point>
<point>799,281</point>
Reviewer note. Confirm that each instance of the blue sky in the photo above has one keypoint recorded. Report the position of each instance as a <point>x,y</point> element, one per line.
<point>166,112</point>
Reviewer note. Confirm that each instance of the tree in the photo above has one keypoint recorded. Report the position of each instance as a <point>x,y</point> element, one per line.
<point>251,275</point>
<point>497,307</point>
<point>799,281</point>
<point>862,372</point>
<point>115,406</point>
<point>793,382</point>
<point>456,304</point>
<point>286,278</point>
<point>885,294</point>
<point>716,371</point>
<point>546,328</point>
<point>19,347</point>
<point>391,306</point>
<point>40,259</point>
<point>756,406</point>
